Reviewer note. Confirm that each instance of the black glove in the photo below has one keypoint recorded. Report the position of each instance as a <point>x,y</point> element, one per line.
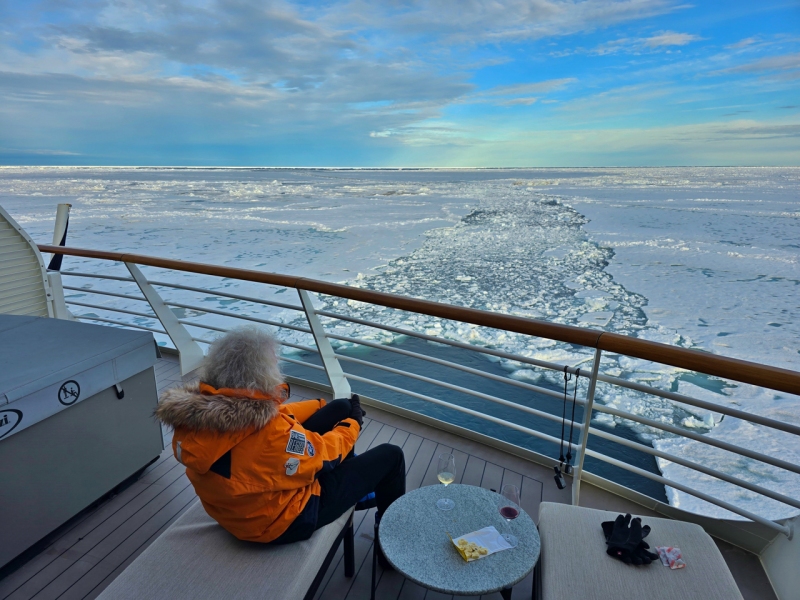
<point>608,527</point>
<point>619,544</point>
<point>356,412</point>
<point>635,540</point>
<point>642,551</point>
<point>625,540</point>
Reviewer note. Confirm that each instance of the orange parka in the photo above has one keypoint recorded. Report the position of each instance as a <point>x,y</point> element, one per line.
<point>250,460</point>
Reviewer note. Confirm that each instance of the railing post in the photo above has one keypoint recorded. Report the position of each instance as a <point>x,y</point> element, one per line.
<point>189,351</point>
<point>587,418</point>
<point>336,377</point>
<point>60,310</point>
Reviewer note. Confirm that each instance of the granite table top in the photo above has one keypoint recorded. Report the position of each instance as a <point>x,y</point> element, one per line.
<point>413,536</point>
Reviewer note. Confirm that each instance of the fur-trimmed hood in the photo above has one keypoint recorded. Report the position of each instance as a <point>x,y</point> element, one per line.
<point>186,407</point>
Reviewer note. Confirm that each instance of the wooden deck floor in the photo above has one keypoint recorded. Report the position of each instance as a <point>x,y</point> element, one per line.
<point>85,555</point>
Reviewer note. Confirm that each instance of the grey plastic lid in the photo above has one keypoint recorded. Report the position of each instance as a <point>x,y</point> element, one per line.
<point>49,365</point>
<point>37,352</point>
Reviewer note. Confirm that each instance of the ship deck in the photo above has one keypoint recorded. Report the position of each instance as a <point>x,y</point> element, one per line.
<point>86,554</point>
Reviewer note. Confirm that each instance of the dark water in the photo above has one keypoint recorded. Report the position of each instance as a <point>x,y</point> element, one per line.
<point>480,384</point>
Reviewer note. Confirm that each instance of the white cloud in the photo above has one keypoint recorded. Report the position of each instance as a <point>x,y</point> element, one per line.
<point>743,43</point>
<point>744,142</point>
<point>670,38</point>
<point>519,93</point>
<point>312,60</point>
<point>643,44</point>
<point>36,152</point>
<point>269,57</point>
<point>627,101</point>
<point>770,63</point>
<point>475,21</point>
<point>436,135</point>
<point>537,87</point>
<point>519,101</point>
<point>152,74</point>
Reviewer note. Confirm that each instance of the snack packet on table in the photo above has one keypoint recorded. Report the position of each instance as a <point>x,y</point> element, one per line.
<point>478,544</point>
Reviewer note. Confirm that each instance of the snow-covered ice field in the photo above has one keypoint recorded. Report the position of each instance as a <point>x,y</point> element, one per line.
<point>703,258</point>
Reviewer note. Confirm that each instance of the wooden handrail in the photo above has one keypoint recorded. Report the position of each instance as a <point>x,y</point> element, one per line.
<point>742,371</point>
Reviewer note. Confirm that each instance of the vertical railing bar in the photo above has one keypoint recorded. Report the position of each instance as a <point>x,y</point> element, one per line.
<point>189,352</point>
<point>339,384</point>
<point>60,310</point>
<point>587,417</point>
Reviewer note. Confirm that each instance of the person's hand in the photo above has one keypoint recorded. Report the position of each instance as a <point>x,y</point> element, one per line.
<point>356,412</point>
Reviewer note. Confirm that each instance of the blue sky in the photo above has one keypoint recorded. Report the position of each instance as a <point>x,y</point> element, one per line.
<point>399,83</point>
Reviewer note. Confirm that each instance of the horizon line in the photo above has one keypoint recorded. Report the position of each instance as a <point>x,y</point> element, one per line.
<point>415,168</point>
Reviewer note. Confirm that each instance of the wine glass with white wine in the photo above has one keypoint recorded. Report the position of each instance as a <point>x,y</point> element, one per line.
<point>447,475</point>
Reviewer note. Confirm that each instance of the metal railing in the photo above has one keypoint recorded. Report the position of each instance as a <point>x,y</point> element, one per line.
<point>175,328</point>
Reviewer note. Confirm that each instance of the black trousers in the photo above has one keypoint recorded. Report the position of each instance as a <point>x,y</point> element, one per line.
<point>381,470</point>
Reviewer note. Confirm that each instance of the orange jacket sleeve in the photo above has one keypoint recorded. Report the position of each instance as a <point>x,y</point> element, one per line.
<point>335,444</point>
<point>307,454</point>
<point>303,410</point>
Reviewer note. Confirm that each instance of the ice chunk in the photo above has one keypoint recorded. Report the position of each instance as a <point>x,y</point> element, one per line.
<point>599,319</point>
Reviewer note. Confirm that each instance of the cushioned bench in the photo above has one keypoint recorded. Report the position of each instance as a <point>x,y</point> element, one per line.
<point>195,558</point>
<point>574,564</point>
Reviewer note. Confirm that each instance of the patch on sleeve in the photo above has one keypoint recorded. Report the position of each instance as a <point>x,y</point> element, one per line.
<point>297,443</point>
<point>310,448</point>
<point>291,466</point>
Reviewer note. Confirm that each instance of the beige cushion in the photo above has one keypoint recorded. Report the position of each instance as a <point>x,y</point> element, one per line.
<point>574,563</point>
<point>195,558</point>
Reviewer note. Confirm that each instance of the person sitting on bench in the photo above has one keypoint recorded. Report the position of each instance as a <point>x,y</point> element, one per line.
<point>265,470</point>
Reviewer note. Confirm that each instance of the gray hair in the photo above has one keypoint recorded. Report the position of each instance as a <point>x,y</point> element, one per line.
<point>244,358</point>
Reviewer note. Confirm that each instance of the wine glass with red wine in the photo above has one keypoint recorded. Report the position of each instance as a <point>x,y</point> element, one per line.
<point>509,510</point>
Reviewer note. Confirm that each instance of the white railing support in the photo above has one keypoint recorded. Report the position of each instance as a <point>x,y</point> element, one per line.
<point>60,310</point>
<point>54,268</point>
<point>189,351</point>
<point>587,417</point>
<point>336,377</point>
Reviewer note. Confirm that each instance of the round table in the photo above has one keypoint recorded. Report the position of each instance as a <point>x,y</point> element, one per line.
<point>413,536</point>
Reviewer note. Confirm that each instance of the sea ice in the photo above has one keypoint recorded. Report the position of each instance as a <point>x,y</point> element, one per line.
<point>701,258</point>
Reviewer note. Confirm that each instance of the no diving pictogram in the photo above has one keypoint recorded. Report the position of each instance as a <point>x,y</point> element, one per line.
<point>69,392</point>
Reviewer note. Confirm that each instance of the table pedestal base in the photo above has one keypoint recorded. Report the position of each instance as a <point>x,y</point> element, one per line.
<point>374,560</point>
